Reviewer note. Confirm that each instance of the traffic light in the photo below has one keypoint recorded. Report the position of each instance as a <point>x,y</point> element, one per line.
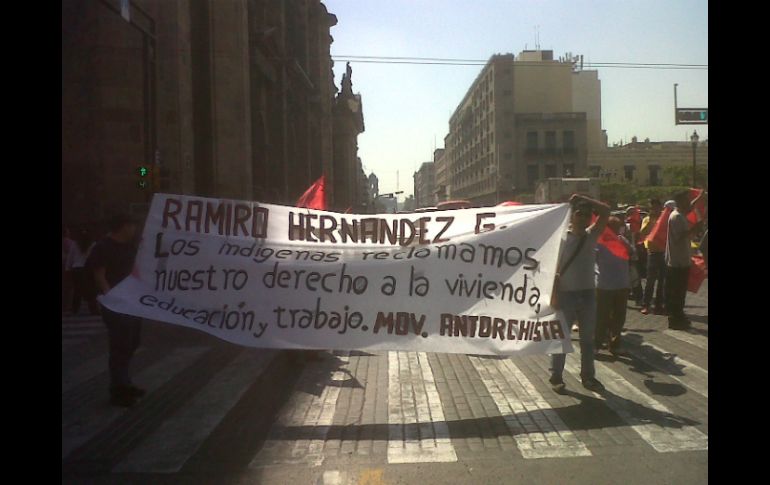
<point>145,175</point>
<point>692,116</point>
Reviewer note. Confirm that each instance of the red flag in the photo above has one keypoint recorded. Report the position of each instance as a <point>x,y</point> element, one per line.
<point>696,212</point>
<point>659,234</point>
<point>315,196</point>
<point>612,242</point>
<point>697,274</point>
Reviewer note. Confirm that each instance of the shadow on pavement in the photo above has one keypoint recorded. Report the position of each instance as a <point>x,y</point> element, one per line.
<point>590,413</point>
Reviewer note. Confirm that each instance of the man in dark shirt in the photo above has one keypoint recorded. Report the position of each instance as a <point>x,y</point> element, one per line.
<point>112,260</point>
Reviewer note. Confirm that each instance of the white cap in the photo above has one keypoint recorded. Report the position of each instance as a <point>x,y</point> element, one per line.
<point>670,204</point>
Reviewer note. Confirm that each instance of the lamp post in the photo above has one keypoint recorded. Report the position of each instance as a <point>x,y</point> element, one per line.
<point>694,139</point>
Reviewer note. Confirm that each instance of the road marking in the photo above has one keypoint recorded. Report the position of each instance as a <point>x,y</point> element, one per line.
<point>65,345</point>
<point>692,376</point>
<point>168,448</point>
<point>691,338</point>
<point>306,411</point>
<point>625,399</point>
<point>538,430</point>
<point>81,426</point>
<point>86,371</point>
<point>418,432</point>
<point>332,477</point>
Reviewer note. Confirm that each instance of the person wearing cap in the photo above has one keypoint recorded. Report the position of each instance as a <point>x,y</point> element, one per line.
<point>112,260</point>
<point>678,259</point>
<point>577,287</point>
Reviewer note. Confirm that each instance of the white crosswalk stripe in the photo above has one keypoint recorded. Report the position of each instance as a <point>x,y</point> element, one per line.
<point>417,427</point>
<point>691,338</point>
<point>624,396</point>
<point>88,329</point>
<point>689,374</point>
<point>306,411</point>
<point>414,400</point>
<point>80,427</point>
<point>168,448</point>
<point>539,432</point>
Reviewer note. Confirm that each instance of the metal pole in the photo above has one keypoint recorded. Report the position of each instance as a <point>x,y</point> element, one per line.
<point>676,120</point>
<point>694,147</point>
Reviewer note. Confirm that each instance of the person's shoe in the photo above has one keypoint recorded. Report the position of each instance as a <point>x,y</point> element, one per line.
<point>132,390</point>
<point>575,327</point>
<point>593,385</point>
<point>644,311</point>
<point>557,384</point>
<point>679,325</point>
<point>122,398</point>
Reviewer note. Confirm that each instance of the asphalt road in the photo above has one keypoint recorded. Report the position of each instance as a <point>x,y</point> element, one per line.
<point>217,413</point>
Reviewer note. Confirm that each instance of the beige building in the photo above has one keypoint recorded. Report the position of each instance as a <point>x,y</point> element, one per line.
<point>523,119</point>
<point>645,163</point>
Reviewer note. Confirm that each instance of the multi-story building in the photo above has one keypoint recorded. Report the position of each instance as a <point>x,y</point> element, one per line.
<point>523,119</point>
<point>224,99</point>
<point>645,163</point>
<point>441,185</point>
<point>424,182</point>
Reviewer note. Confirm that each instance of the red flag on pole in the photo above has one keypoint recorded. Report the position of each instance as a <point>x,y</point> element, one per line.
<point>315,196</point>
<point>698,210</point>
<point>611,241</point>
<point>659,234</point>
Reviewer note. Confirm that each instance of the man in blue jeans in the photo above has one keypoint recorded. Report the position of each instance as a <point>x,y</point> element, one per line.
<point>577,287</point>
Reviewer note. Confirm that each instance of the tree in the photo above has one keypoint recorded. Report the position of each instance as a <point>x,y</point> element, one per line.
<point>682,175</point>
<point>409,203</point>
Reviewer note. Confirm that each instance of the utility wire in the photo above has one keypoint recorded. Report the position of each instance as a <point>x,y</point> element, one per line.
<point>481,62</point>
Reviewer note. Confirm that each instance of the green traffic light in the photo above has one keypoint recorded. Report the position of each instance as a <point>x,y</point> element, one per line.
<point>703,115</point>
<point>143,171</point>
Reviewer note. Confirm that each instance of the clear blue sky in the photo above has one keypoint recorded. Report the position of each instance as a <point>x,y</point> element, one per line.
<point>406,107</point>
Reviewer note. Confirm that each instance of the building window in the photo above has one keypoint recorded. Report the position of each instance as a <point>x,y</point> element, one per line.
<point>629,172</point>
<point>550,170</point>
<point>569,141</point>
<point>532,175</point>
<point>569,170</point>
<point>507,156</point>
<point>654,175</point>
<point>531,141</point>
<point>595,170</point>
<point>506,92</point>
<point>550,142</point>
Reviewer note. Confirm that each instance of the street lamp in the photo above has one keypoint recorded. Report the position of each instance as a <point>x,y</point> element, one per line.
<point>694,139</point>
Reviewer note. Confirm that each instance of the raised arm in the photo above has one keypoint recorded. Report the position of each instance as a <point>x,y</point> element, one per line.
<point>599,207</point>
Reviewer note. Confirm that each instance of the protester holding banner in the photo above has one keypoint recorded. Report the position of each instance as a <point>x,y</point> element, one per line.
<point>613,282</point>
<point>678,259</point>
<point>112,260</point>
<point>656,261</point>
<point>577,287</point>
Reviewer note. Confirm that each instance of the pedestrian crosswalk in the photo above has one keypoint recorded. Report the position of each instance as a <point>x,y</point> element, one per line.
<point>396,401</point>
<point>78,330</point>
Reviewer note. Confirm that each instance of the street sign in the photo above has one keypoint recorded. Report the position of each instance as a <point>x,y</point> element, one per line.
<point>692,116</point>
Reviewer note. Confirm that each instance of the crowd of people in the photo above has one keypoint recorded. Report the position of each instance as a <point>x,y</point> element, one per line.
<point>604,260</point>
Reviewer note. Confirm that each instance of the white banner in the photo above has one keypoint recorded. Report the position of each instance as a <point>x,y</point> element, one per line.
<point>472,281</point>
